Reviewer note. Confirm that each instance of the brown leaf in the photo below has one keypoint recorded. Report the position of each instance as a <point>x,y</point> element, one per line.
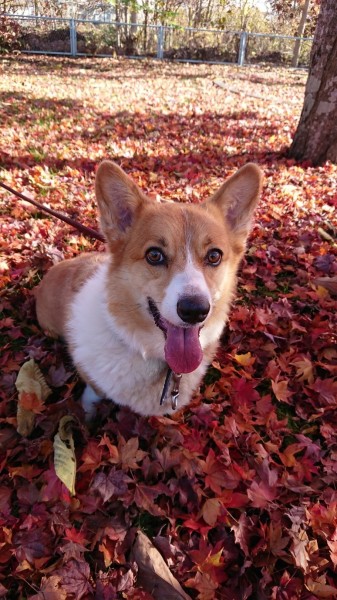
<point>280,389</point>
<point>33,391</point>
<point>50,589</point>
<point>153,573</point>
<point>242,532</point>
<point>299,550</point>
<point>205,585</point>
<point>25,421</point>
<point>211,510</point>
<point>31,381</point>
<point>130,455</point>
<point>304,369</point>
<point>330,283</point>
<point>320,588</point>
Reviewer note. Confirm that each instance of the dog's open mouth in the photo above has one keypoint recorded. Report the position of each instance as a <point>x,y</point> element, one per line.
<point>183,352</point>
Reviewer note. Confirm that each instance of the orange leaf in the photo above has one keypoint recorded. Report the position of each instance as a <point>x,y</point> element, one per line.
<point>280,389</point>
<point>30,401</point>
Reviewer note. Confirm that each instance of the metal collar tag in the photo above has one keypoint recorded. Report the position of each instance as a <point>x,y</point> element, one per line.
<point>176,378</point>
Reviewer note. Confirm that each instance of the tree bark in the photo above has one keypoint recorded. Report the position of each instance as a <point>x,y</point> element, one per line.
<point>146,20</point>
<point>316,135</point>
<point>299,33</point>
<point>134,16</point>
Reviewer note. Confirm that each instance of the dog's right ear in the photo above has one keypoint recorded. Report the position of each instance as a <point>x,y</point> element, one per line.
<point>118,199</point>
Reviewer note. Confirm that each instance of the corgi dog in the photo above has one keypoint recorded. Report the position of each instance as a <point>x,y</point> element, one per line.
<point>143,320</point>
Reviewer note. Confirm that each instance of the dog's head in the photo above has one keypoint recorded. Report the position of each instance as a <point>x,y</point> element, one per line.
<point>173,264</point>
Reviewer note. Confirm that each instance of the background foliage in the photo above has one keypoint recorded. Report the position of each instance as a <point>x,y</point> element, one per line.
<point>243,15</point>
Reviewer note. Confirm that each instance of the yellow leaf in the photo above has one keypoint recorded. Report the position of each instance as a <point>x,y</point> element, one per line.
<point>64,454</point>
<point>322,293</point>
<point>215,559</point>
<point>245,360</point>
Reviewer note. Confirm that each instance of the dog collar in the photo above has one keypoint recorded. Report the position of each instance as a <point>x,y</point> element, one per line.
<point>176,378</point>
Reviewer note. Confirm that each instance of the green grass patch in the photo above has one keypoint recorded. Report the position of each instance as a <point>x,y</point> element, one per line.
<point>38,154</point>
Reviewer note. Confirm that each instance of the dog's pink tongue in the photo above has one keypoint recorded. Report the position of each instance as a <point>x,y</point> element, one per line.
<point>183,352</point>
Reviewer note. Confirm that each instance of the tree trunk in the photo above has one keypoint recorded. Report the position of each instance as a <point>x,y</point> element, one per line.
<point>146,19</point>
<point>126,16</point>
<point>299,33</point>
<point>118,31</point>
<point>36,11</point>
<point>316,135</point>
<point>197,21</point>
<point>134,16</point>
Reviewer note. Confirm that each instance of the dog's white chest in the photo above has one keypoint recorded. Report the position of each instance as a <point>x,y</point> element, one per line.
<point>114,364</point>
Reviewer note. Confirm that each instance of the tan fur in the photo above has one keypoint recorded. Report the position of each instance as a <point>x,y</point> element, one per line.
<point>53,295</point>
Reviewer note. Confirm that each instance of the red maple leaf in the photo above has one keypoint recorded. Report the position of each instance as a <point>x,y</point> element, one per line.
<point>215,472</point>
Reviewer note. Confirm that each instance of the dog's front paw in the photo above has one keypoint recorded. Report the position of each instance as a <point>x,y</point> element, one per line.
<point>89,399</point>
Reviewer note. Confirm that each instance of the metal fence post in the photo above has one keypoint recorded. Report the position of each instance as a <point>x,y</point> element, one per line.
<point>242,48</point>
<point>160,42</point>
<point>73,37</point>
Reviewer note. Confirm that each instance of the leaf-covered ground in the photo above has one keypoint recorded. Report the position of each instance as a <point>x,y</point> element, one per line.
<point>238,492</point>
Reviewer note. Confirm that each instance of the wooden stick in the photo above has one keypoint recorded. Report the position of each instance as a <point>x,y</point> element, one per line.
<point>82,228</point>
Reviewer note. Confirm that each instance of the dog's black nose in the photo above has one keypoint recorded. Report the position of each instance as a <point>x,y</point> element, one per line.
<point>193,309</point>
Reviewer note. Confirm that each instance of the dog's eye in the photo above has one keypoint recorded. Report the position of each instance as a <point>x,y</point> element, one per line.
<point>214,257</point>
<point>155,256</point>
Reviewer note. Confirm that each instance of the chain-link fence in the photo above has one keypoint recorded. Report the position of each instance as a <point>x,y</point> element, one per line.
<point>46,35</point>
<point>261,48</point>
<point>115,39</point>
<point>205,45</point>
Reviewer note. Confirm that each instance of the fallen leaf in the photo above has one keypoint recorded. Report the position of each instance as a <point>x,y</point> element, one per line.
<point>211,510</point>
<point>153,573</point>
<point>33,392</point>
<point>64,454</point>
<point>130,454</point>
<point>245,360</point>
<point>299,550</point>
<point>280,389</point>
<point>330,283</point>
<point>320,588</point>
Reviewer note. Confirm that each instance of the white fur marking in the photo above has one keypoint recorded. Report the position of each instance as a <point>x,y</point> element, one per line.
<point>89,399</point>
<point>189,281</point>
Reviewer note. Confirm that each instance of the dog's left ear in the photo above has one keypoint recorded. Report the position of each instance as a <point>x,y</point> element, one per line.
<point>118,199</point>
<point>238,197</point>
